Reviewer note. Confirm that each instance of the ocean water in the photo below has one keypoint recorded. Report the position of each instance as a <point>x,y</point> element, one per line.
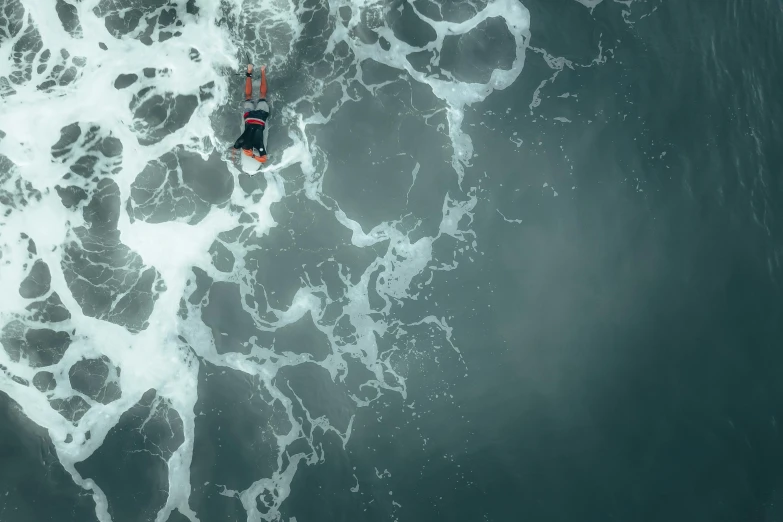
<point>508,261</point>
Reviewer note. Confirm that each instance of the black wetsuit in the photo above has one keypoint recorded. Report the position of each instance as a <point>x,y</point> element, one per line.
<point>253,137</point>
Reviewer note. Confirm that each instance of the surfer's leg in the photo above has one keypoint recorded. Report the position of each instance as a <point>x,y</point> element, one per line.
<point>249,82</point>
<point>262,88</point>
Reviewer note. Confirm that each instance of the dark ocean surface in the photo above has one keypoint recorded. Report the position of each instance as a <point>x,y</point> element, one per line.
<point>605,340</point>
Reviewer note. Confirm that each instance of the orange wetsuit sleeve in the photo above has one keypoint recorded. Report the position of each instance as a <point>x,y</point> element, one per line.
<point>262,89</point>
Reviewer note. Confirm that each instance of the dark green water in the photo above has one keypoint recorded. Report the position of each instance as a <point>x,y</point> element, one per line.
<point>619,318</point>
<point>624,340</point>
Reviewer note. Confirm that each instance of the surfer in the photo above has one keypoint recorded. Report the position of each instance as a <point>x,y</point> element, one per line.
<point>254,119</point>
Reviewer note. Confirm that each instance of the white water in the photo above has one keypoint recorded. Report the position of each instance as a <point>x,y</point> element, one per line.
<point>156,357</point>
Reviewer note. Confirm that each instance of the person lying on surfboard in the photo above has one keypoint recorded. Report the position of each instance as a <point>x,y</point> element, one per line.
<point>254,119</point>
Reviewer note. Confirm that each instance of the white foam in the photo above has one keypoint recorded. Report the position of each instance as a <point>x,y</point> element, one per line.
<point>156,357</point>
<point>457,95</point>
<point>590,4</point>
